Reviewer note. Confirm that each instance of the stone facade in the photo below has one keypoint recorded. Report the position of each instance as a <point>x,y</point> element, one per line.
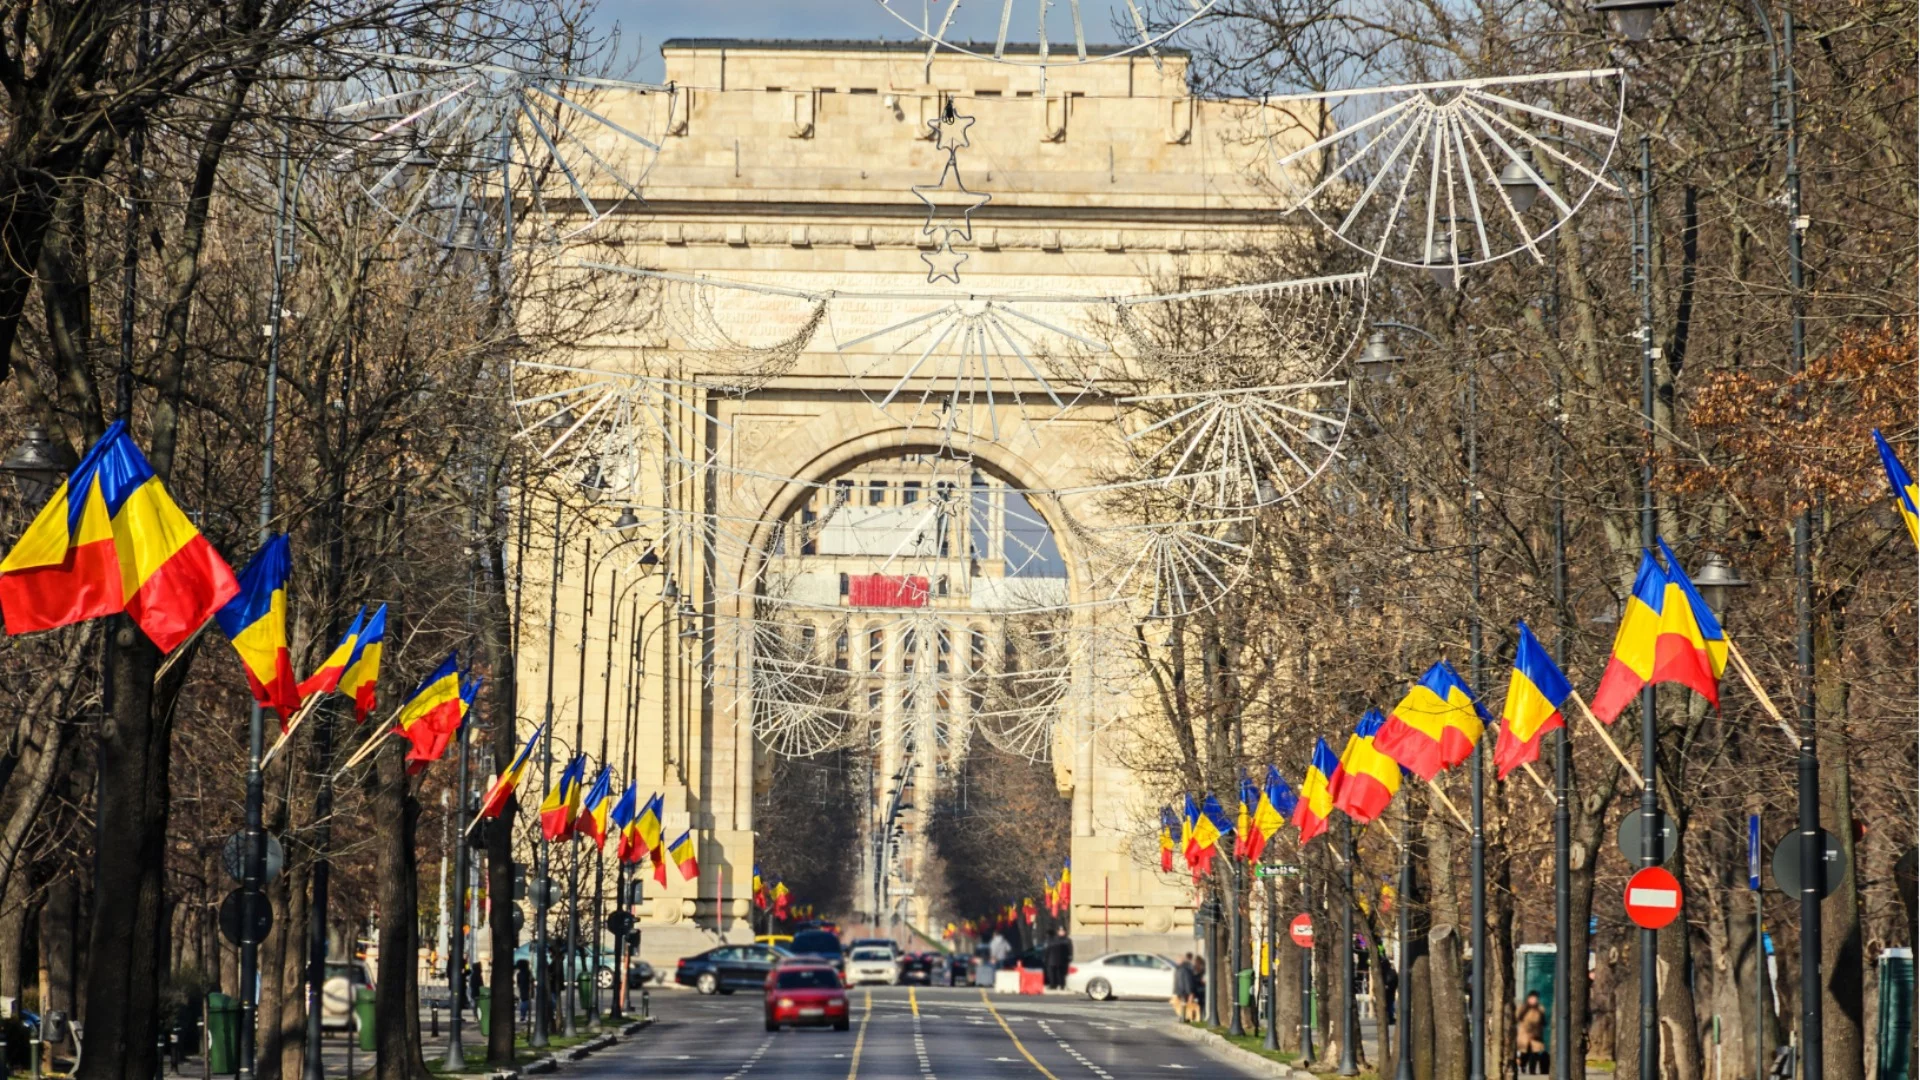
<point>790,164</point>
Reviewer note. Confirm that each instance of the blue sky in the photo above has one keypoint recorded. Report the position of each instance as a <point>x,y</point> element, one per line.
<point>654,21</point>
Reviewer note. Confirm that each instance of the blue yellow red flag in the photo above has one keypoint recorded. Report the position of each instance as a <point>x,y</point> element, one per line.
<point>1243,829</point>
<point>597,807</point>
<point>1189,823</point>
<point>431,714</point>
<point>631,849</point>
<point>1213,824</point>
<point>255,621</point>
<point>502,788</point>
<point>1167,824</point>
<point>562,804</point>
<point>361,680</point>
<point>110,540</point>
<point>625,809</point>
<point>683,854</point>
<point>1905,493</point>
<point>1536,692</point>
<point>1435,726</point>
<point>1270,814</point>
<point>1366,780</point>
<point>759,889</point>
<point>326,678</point>
<point>1630,667</point>
<point>651,834</point>
<point>1310,814</point>
<point>1692,648</point>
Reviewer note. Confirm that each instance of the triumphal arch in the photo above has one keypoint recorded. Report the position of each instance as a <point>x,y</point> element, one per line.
<point>863,463</point>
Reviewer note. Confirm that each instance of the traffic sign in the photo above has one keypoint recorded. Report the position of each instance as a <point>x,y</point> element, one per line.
<point>1665,842</point>
<point>230,916</point>
<point>1786,864</point>
<point>620,922</point>
<point>1653,898</point>
<point>1753,852</point>
<point>1301,931</point>
<point>233,855</point>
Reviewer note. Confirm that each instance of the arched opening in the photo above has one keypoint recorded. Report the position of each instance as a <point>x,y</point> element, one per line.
<point>905,776</point>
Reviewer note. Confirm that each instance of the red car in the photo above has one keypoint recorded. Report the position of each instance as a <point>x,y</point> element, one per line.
<point>800,995</point>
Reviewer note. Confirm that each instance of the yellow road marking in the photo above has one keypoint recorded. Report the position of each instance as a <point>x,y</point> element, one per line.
<point>860,1040</point>
<point>913,1003</point>
<point>1031,1060</point>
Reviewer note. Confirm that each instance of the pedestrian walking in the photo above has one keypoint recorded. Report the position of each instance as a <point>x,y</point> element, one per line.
<point>1183,987</point>
<point>1197,1008</point>
<point>475,980</point>
<point>1530,1037</point>
<point>523,989</point>
<point>998,950</point>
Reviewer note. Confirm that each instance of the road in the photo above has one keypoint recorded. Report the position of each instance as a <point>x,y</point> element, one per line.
<point>936,1033</point>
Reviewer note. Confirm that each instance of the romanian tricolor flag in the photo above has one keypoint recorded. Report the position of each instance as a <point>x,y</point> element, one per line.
<point>502,788</point>
<point>1243,835</point>
<point>1310,814</point>
<point>256,622</point>
<point>1189,822</point>
<point>1691,649</point>
<point>759,889</point>
<point>432,714</point>
<point>1435,726</point>
<point>1167,823</point>
<point>620,824</point>
<point>683,854</point>
<point>112,540</point>
<point>1027,910</point>
<point>1207,832</point>
<point>361,680</point>
<point>562,803</point>
<point>1066,884</point>
<point>1366,780</point>
<point>1634,644</point>
<point>1905,492</point>
<point>781,897</point>
<point>1535,694</point>
<point>1270,814</point>
<point>597,807</point>
<point>649,832</point>
<point>326,678</point>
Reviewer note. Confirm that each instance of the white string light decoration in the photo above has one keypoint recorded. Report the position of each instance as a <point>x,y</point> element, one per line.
<point>934,24</point>
<point>1452,173</point>
<point>437,151</point>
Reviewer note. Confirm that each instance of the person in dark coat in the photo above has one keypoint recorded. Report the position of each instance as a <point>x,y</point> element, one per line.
<point>1183,987</point>
<point>1059,954</point>
<point>474,982</point>
<point>523,988</point>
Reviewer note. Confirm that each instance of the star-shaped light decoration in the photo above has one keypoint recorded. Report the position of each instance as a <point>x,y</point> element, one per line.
<point>950,130</point>
<point>944,199</point>
<point>943,262</point>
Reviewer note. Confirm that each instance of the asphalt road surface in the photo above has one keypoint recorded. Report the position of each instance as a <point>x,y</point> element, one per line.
<point>919,1033</point>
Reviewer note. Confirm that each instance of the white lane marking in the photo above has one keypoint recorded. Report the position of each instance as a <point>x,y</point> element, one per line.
<point>752,1060</point>
<point>1091,1066</point>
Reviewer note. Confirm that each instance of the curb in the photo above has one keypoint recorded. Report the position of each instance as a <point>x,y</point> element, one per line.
<point>585,1050</point>
<point>1219,1048</point>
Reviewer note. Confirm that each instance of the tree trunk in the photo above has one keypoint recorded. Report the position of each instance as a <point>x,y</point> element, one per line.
<point>1585,834</point>
<point>13,933</point>
<point>1416,965</point>
<point>59,940</point>
<point>126,947</point>
<point>269,1033</point>
<point>396,1007</point>
<point>503,737</point>
<point>1501,1049</point>
<point>1443,949</point>
<point>1286,1002</point>
<point>1680,1057</point>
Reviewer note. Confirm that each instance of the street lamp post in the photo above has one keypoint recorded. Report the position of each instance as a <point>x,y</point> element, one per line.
<point>540,885</point>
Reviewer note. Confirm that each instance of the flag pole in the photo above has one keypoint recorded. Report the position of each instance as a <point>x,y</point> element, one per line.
<point>1753,685</point>
<point>1606,737</point>
<point>1536,778</point>
<point>1441,794</point>
<point>293,725</point>
<point>180,650</point>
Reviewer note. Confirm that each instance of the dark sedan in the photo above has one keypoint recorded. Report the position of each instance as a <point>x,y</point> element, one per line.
<point>917,967</point>
<point>818,946</point>
<point>728,968</point>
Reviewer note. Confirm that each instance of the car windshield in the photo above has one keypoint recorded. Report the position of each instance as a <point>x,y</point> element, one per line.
<point>815,941</point>
<point>872,954</point>
<point>808,979</point>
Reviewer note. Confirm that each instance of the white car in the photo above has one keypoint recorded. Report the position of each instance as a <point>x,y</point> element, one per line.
<point>869,964</point>
<point>1122,975</point>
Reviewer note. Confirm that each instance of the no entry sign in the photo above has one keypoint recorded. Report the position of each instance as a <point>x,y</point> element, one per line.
<point>1653,898</point>
<point>1301,931</point>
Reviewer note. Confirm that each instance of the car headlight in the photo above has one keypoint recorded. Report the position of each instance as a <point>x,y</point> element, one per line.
<point>786,1003</point>
<point>838,1002</point>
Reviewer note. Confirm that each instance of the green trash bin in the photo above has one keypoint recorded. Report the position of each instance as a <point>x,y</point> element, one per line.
<point>223,1033</point>
<point>584,984</point>
<point>1246,988</point>
<point>363,1017</point>
<point>484,1002</point>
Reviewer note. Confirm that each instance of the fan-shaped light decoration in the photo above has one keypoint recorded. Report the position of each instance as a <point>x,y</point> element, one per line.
<point>934,23</point>
<point>1166,570</point>
<point>1244,448</point>
<point>1452,173</point>
<point>439,151</point>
